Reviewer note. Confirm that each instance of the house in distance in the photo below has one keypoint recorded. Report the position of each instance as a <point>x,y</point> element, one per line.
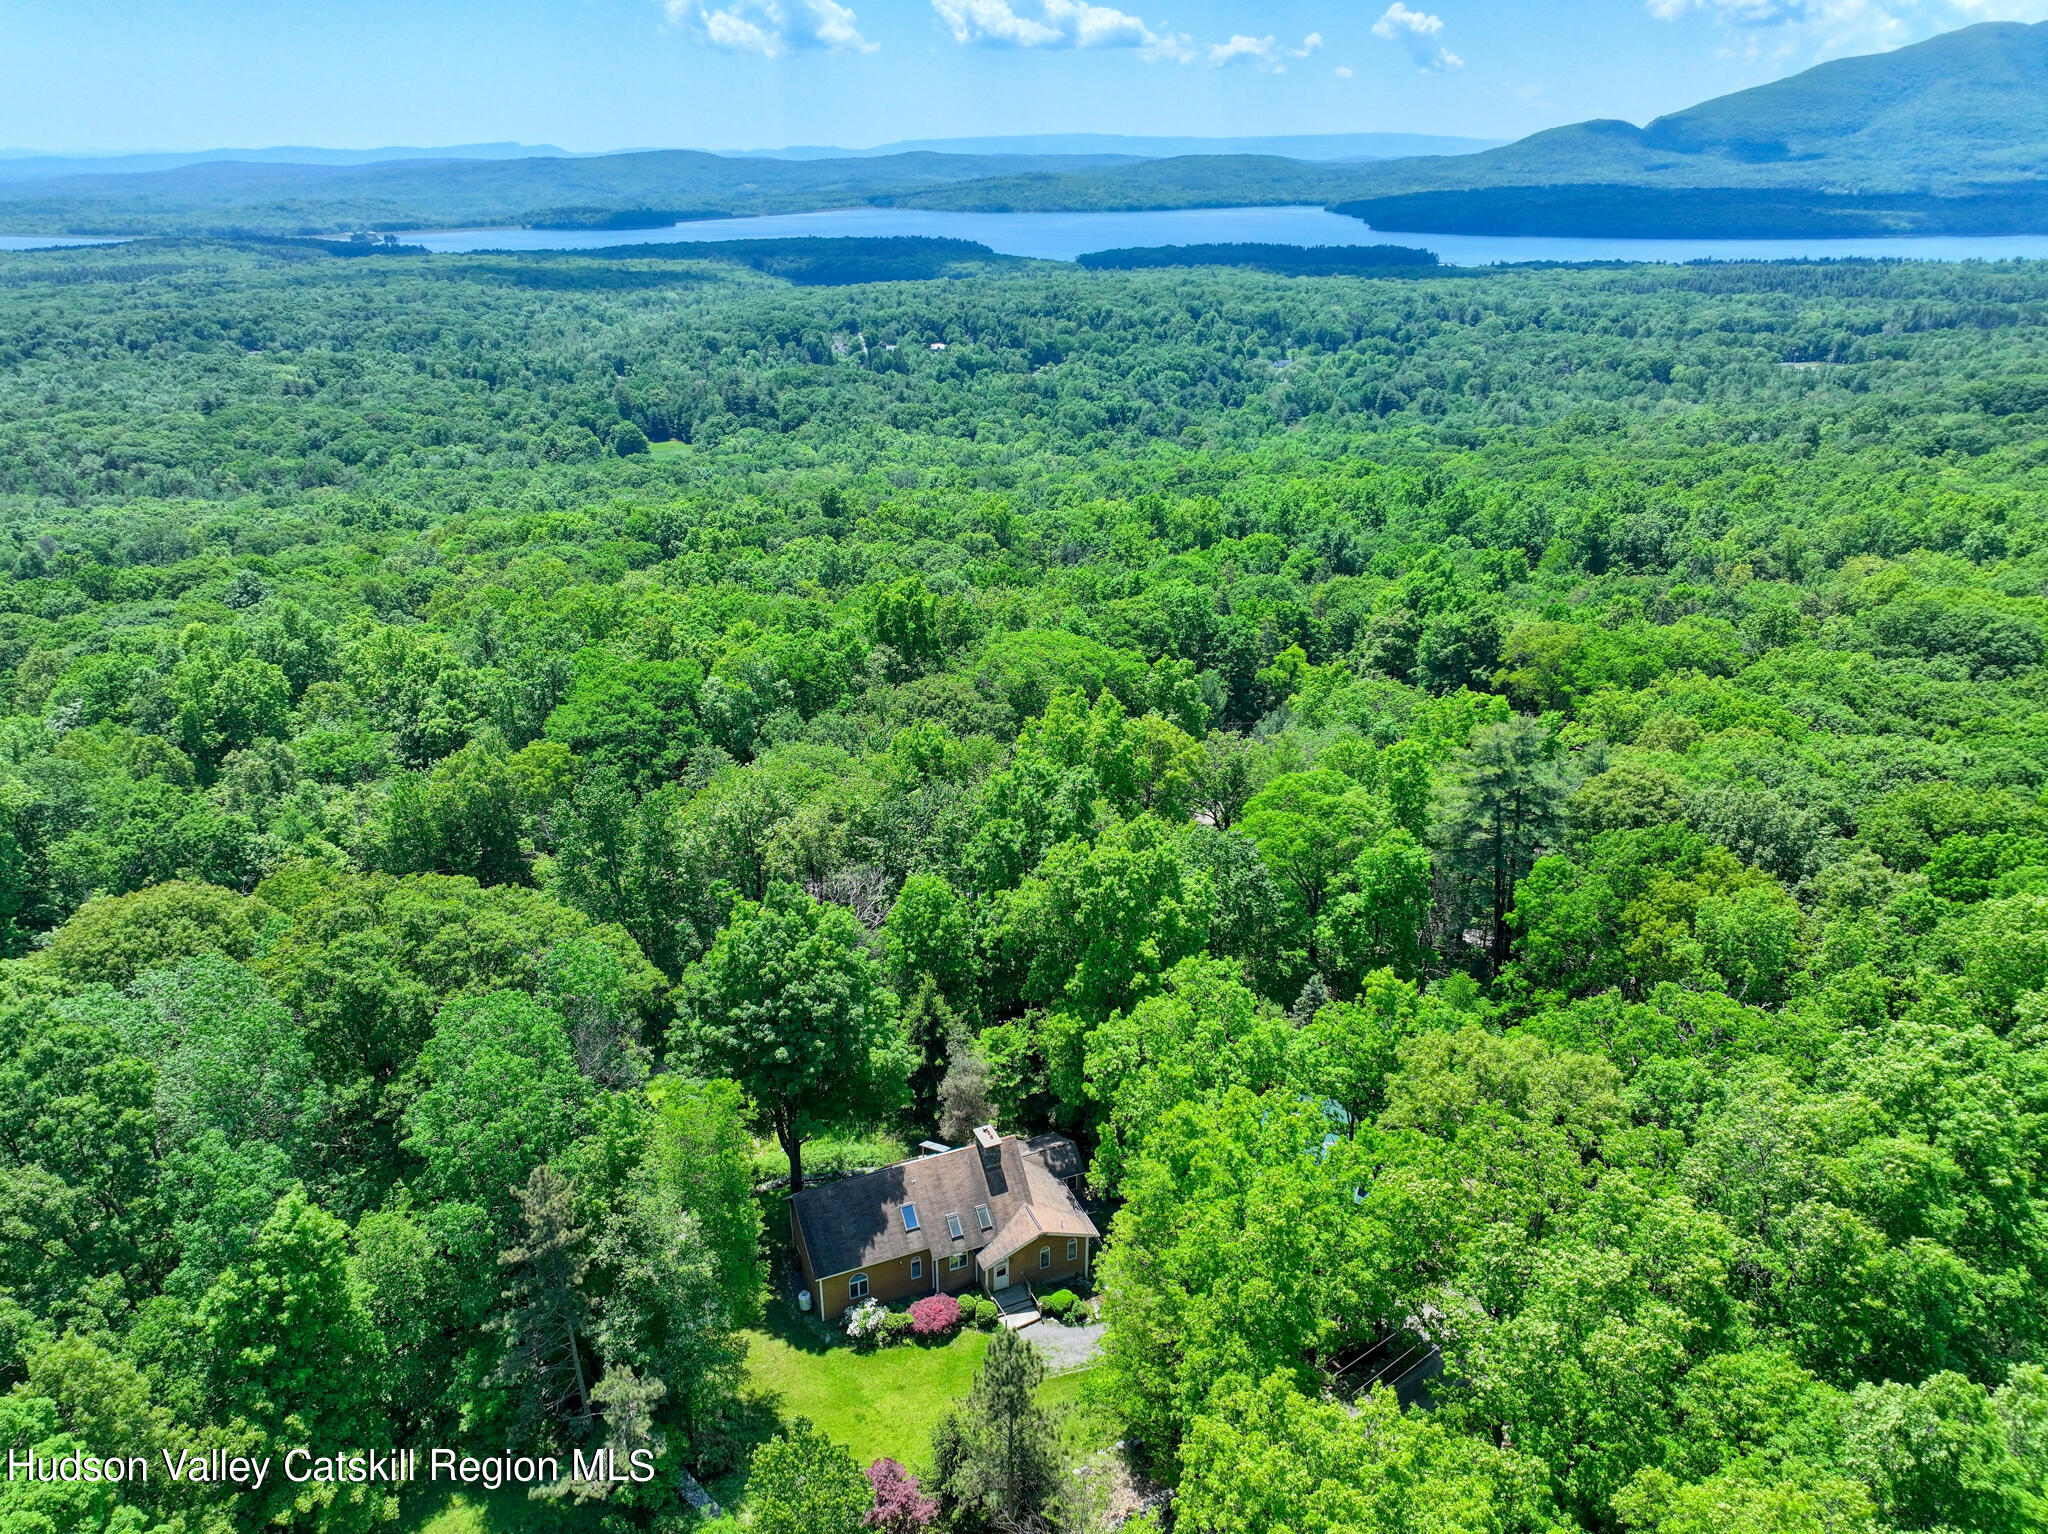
<point>991,1215</point>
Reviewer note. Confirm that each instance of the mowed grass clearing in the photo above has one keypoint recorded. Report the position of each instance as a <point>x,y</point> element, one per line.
<point>881,1404</point>
<point>507,1511</point>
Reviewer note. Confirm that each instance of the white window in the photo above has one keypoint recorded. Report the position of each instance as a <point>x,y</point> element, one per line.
<point>910,1217</point>
<point>957,1262</point>
<point>917,1267</point>
<point>1073,1248</point>
<point>1045,1256</point>
<point>983,1218</point>
<point>857,1286</point>
<point>953,1226</point>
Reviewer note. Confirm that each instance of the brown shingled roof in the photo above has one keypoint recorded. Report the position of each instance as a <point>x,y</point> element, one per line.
<point>1059,1155</point>
<point>857,1222</point>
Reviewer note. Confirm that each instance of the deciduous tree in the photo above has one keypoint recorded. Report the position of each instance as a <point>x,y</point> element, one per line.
<point>803,1483</point>
<point>790,1004</point>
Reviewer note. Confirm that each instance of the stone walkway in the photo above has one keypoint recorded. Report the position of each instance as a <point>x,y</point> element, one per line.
<point>1067,1348</point>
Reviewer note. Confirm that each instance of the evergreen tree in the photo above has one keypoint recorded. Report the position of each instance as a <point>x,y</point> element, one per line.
<point>964,1099</point>
<point>547,1358</point>
<point>1505,810</point>
<point>997,1460</point>
<point>628,1404</point>
<point>929,1026</point>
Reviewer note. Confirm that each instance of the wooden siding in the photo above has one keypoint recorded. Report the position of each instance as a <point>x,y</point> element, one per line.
<point>1024,1268</point>
<point>887,1281</point>
<point>891,1283</point>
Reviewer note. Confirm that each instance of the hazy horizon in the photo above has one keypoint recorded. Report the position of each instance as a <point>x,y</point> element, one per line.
<point>103,78</point>
<point>514,149</point>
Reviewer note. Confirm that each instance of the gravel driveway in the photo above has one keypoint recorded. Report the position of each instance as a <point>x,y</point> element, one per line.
<point>1066,1348</point>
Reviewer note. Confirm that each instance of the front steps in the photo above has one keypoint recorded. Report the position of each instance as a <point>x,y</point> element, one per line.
<point>1018,1305</point>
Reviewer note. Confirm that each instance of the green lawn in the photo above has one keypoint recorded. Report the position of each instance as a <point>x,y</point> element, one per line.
<point>668,449</point>
<point>485,1512</point>
<point>878,1404</point>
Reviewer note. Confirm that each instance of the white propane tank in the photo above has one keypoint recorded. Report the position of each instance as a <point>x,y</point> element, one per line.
<point>803,1300</point>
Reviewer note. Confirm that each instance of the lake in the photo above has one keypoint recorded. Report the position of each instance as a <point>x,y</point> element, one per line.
<point>1063,236</point>
<point>53,242</point>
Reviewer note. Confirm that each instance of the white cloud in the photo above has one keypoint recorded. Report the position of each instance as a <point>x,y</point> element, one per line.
<point>1421,34</point>
<point>1827,28</point>
<point>771,28</point>
<point>1343,71</point>
<point>1265,53</point>
<point>1055,24</point>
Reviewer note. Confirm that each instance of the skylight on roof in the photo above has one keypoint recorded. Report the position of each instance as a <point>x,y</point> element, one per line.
<point>953,1226</point>
<point>910,1217</point>
<point>981,1214</point>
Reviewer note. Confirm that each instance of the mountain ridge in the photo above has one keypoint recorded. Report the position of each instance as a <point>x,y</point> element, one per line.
<point>38,165</point>
<point>1945,136</point>
<point>237,198</point>
<point>1311,147</point>
<point>1875,123</point>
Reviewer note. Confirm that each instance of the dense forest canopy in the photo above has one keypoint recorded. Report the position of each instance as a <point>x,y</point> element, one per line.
<point>1503,809</point>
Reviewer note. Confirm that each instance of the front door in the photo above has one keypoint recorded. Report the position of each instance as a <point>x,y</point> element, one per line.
<point>1000,1279</point>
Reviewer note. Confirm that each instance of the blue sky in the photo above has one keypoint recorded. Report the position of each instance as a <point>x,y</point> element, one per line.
<point>603,74</point>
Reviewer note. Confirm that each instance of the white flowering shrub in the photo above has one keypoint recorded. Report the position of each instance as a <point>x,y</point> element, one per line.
<point>864,1322</point>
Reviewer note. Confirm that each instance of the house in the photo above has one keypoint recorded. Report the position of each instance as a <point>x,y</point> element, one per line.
<point>990,1215</point>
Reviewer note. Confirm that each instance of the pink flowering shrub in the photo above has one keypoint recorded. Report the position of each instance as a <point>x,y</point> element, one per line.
<point>934,1315</point>
<point>901,1507</point>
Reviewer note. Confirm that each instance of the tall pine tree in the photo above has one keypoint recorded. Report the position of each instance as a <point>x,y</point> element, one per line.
<point>547,1359</point>
<point>1504,812</point>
